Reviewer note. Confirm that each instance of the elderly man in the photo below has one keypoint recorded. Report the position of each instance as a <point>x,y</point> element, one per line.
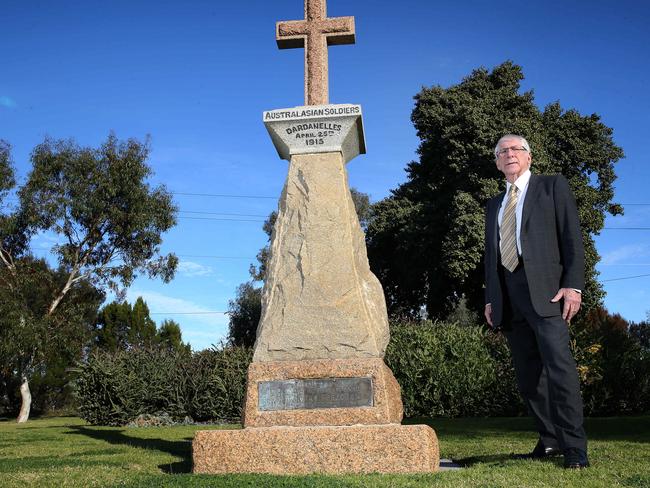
<point>534,274</point>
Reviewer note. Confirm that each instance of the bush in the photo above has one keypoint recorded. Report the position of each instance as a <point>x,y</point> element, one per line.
<point>444,369</point>
<point>218,383</point>
<point>451,370</point>
<point>613,364</point>
<point>114,388</point>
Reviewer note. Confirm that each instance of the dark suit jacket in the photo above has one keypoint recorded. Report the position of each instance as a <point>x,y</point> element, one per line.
<point>551,242</point>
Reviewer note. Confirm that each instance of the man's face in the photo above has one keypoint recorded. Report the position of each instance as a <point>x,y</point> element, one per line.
<point>513,162</point>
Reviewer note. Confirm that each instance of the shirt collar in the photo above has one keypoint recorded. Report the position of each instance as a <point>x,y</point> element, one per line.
<point>520,182</point>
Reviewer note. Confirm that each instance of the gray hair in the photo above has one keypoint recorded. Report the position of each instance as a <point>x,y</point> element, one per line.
<point>522,141</point>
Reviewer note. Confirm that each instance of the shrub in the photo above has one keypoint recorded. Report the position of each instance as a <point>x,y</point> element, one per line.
<point>613,363</point>
<point>444,369</point>
<point>116,388</point>
<point>218,383</point>
<point>451,370</point>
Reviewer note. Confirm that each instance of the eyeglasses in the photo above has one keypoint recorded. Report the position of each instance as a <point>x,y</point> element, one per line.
<point>504,151</point>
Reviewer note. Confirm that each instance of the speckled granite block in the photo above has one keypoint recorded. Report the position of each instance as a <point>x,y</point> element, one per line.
<point>318,449</point>
<point>387,401</point>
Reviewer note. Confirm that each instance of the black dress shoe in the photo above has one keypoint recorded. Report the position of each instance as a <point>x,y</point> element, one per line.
<point>540,452</point>
<point>575,458</point>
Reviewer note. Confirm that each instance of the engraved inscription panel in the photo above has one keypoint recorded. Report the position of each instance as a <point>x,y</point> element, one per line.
<point>315,393</point>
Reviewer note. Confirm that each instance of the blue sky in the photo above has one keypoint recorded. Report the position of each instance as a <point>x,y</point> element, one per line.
<point>196,76</point>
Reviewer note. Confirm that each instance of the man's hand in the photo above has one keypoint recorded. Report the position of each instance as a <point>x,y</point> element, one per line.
<point>572,300</point>
<point>488,314</point>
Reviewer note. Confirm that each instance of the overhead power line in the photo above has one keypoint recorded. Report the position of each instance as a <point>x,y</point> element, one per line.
<point>222,213</point>
<point>225,219</point>
<point>627,277</point>
<point>187,313</point>
<point>214,257</point>
<point>219,195</point>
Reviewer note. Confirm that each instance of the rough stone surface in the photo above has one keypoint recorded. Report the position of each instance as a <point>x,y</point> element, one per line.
<point>315,33</point>
<point>304,450</point>
<point>320,299</point>
<point>387,401</point>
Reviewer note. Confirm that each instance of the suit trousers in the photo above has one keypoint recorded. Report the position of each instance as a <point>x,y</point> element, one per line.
<point>546,372</point>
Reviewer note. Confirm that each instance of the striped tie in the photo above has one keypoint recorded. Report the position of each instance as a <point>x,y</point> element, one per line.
<point>509,257</point>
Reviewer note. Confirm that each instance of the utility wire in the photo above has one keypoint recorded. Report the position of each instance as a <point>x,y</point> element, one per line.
<point>179,255</point>
<point>188,313</point>
<point>626,278</point>
<point>221,219</point>
<point>219,195</point>
<point>222,213</point>
<point>214,257</point>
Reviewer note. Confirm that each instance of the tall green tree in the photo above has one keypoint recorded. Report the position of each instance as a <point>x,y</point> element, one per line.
<point>38,344</point>
<point>113,326</point>
<point>99,205</point>
<point>169,337</point>
<point>143,328</point>
<point>425,241</point>
<point>121,326</point>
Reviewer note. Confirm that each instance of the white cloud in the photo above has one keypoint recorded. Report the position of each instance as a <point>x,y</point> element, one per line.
<point>46,239</point>
<point>191,269</point>
<point>199,326</point>
<point>623,253</point>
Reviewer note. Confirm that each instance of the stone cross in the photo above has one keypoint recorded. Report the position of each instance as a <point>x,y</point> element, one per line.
<point>315,33</point>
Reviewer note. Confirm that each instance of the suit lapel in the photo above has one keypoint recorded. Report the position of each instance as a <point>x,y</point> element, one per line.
<point>531,197</point>
<point>493,217</point>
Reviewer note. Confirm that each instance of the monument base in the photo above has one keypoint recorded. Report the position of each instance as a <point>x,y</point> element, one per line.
<point>385,405</point>
<point>390,448</point>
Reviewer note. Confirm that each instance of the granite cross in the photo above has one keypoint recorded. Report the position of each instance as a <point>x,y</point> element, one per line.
<point>315,33</point>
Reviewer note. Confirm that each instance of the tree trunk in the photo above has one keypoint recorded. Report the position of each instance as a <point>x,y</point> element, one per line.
<point>26,397</point>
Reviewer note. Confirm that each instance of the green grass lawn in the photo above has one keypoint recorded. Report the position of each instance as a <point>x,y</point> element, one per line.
<point>68,452</point>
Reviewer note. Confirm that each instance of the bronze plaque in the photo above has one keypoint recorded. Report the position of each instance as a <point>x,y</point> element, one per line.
<point>315,393</point>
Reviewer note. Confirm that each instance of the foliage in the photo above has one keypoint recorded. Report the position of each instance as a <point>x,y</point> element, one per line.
<point>113,326</point>
<point>7,180</point>
<point>108,222</point>
<point>36,344</point>
<point>425,241</point>
<point>115,388</point>
<point>449,370</point>
<point>244,315</point>
<point>462,315</point>
<point>67,452</point>
<point>258,273</point>
<point>641,331</point>
<point>361,206</point>
<point>614,365</point>
<point>444,370</point>
<point>122,326</point>
<point>99,202</point>
<point>169,337</point>
<point>218,383</point>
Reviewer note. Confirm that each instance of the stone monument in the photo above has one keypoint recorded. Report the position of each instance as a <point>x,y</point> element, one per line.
<point>319,397</point>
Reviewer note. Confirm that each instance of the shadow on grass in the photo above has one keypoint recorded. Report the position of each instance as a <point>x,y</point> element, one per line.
<point>181,449</point>
<point>501,460</point>
<point>630,429</point>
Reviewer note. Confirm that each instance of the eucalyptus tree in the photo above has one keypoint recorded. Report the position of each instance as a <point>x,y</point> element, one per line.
<point>105,217</point>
